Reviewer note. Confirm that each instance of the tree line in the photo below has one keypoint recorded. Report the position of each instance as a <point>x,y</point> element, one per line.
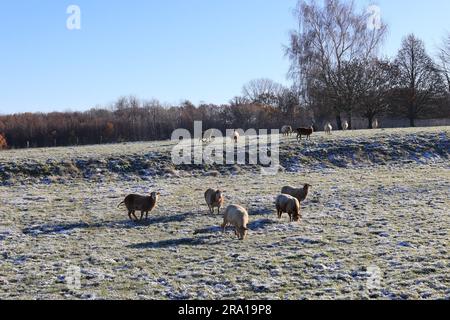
<point>130,120</point>
<point>337,73</point>
<point>338,70</point>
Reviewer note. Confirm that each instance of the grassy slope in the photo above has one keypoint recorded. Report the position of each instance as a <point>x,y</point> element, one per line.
<point>394,217</point>
<point>343,149</point>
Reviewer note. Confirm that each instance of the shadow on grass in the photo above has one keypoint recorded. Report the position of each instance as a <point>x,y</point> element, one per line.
<point>260,224</point>
<point>208,230</point>
<point>253,226</point>
<point>150,221</point>
<point>171,243</point>
<point>209,240</point>
<point>57,228</point>
<point>261,212</point>
<point>124,224</point>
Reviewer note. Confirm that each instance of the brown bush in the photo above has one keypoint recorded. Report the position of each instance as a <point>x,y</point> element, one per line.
<point>3,143</point>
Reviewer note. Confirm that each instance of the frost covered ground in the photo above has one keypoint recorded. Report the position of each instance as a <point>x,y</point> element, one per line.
<point>375,226</point>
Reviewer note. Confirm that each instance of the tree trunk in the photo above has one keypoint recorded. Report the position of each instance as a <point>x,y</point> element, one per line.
<point>339,122</point>
<point>370,122</point>
<point>412,118</point>
<point>350,121</point>
<point>447,77</point>
<point>412,114</point>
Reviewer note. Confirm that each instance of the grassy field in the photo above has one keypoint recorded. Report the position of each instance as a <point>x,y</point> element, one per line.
<point>376,225</point>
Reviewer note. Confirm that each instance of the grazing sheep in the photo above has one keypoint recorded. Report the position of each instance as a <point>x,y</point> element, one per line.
<point>299,194</point>
<point>286,131</point>
<point>214,199</point>
<point>304,132</point>
<point>236,216</point>
<point>375,124</point>
<point>134,203</point>
<point>328,128</point>
<point>236,136</point>
<point>290,205</point>
<point>206,137</point>
<point>345,126</point>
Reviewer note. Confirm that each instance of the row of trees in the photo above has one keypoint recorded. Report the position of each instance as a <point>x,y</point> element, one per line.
<point>337,69</point>
<point>444,57</point>
<point>130,119</point>
<point>337,73</point>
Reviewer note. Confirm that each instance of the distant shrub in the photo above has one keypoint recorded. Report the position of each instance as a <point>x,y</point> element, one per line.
<point>3,143</point>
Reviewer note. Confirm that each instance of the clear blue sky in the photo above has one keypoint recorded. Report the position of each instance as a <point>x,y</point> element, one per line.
<point>201,50</point>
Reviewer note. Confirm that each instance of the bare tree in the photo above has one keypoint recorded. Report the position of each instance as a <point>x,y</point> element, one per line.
<point>327,39</point>
<point>419,77</point>
<point>379,78</point>
<point>444,57</point>
<point>263,91</point>
<point>289,103</point>
<point>238,101</point>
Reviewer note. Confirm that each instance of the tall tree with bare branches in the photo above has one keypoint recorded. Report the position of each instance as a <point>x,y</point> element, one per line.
<point>419,77</point>
<point>263,91</point>
<point>444,57</point>
<point>379,79</point>
<point>329,37</point>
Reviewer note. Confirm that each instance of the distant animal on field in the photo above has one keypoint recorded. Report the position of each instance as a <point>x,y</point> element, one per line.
<point>290,205</point>
<point>375,124</point>
<point>304,132</point>
<point>286,131</point>
<point>345,126</point>
<point>299,193</point>
<point>207,136</point>
<point>144,204</point>
<point>237,217</point>
<point>328,128</point>
<point>214,199</point>
<point>236,136</point>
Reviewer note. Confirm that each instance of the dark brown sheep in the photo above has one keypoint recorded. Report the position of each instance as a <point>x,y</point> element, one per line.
<point>134,203</point>
<point>290,205</point>
<point>304,132</point>
<point>214,199</point>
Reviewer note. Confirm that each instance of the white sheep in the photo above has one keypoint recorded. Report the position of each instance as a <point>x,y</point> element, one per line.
<point>236,136</point>
<point>375,124</point>
<point>236,216</point>
<point>345,126</point>
<point>290,205</point>
<point>207,137</point>
<point>328,128</point>
<point>286,131</point>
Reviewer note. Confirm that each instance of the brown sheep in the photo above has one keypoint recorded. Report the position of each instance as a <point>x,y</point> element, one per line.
<point>290,205</point>
<point>214,199</point>
<point>236,216</point>
<point>144,204</point>
<point>304,132</point>
<point>299,194</point>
